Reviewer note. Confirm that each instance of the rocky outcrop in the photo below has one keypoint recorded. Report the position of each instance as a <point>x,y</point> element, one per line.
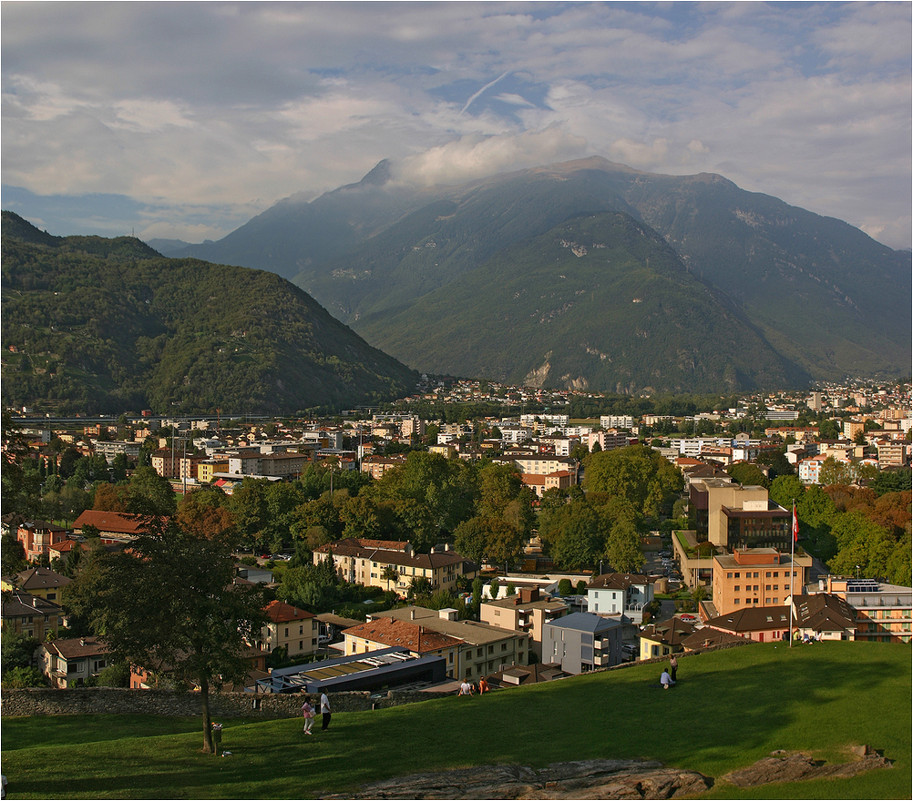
<point>587,779</point>
<point>783,766</point>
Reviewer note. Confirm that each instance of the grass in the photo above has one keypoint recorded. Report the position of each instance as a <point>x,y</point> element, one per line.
<point>729,709</point>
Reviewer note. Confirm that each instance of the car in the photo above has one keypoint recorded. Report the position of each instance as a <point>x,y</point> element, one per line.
<point>686,618</point>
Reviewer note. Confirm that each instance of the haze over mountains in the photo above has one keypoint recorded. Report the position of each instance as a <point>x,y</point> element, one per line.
<point>593,275</point>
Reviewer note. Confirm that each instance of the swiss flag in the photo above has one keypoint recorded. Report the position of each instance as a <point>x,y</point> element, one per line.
<point>795,526</point>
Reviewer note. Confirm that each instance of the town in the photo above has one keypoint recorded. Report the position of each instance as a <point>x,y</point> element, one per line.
<point>410,551</point>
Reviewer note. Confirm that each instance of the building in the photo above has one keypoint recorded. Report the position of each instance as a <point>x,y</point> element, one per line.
<point>72,662</point>
<point>662,639</point>
<point>823,617</point>
<point>40,581</point>
<point>289,627</point>
<point>733,516</point>
<point>484,649</point>
<point>37,538</point>
<point>581,642</point>
<point>30,615</point>
<point>757,577</point>
<point>113,527</point>
<point>760,624</point>
<point>883,612</point>
<point>526,611</point>
<point>111,448</point>
<point>365,562</point>
<point>417,639</point>
<point>620,594</point>
<point>378,465</point>
<point>380,669</point>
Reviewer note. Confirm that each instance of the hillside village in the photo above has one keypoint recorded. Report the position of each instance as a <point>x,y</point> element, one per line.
<point>420,548</point>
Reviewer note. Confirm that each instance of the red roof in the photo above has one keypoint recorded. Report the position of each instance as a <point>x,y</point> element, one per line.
<point>112,522</point>
<point>392,632</point>
<point>281,612</point>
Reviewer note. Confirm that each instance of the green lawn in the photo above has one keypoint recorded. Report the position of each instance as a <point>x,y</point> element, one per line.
<point>729,709</point>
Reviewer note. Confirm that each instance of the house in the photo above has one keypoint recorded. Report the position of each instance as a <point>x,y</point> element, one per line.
<point>620,593</point>
<point>483,650</point>
<point>758,623</point>
<point>289,627</point>
<point>142,678</point>
<point>581,642</point>
<point>37,537</point>
<point>71,662</point>
<point>883,612</point>
<point>363,561</point>
<point>40,581</point>
<point>823,617</point>
<point>114,528</point>
<point>662,639</point>
<point>525,611</point>
<point>28,614</point>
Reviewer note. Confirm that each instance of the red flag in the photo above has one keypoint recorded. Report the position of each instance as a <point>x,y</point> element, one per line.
<point>795,526</point>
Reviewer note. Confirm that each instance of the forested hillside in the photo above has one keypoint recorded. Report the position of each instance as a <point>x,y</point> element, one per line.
<point>93,325</point>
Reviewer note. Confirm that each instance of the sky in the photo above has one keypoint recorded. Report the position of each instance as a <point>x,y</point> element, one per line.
<point>184,120</point>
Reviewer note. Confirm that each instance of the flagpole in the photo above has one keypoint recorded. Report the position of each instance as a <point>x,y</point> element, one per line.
<point>792,571</point>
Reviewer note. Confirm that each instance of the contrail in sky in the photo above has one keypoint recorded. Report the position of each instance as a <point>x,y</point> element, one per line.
<point>487,86</point>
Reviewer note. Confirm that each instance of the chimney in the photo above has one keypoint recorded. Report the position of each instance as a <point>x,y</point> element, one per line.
<point>411,614</point>
<point>82,642</point>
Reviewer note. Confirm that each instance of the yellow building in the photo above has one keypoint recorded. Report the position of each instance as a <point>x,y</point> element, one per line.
<point>206,470</point>
<point>392,565</point>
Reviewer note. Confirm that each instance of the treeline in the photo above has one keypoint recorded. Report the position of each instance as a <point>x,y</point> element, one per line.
<point>856,531</point>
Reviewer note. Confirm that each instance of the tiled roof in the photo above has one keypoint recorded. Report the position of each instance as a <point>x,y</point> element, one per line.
<point>757,618</point>
<point>41,578</point>
<point>23,604</point>
<point>669,632</point>
<point>112,522</point>
<point>376,553</point>
<point>392,632</point>
<point>618,581</point>
<point>824,612</point>
<point>76,647</point>
<point>281,612</point>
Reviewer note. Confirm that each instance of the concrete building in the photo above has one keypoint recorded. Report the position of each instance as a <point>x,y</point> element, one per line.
<point>884,612</point>
<point>289,627</point>
<point>662,639</point>
<point>526,611</point>
<point>71,662</point>
<point>581,642</point>
<point>732,516</point>
<point>757,577</point>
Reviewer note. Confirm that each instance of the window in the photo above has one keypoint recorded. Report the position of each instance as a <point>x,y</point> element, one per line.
<point>767,574</point>
<point>491,649</point>
<point>286,631</point>
<point>737,587</point>
<point>503,646</point>
<point>737,575</point>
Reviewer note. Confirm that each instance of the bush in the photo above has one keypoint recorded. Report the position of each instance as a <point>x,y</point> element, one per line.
<point>18,677</point>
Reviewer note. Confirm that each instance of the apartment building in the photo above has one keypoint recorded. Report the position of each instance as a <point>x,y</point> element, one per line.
<point>363,561</point>
<point>526,611</point>
<point>757,577</point>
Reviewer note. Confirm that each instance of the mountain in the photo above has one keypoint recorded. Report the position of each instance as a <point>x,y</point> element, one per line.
<point>829,300</point>
<point>102,325</point>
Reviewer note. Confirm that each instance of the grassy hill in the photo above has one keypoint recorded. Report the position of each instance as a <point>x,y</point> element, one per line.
<point>730,709</point>
<point>101,325</point>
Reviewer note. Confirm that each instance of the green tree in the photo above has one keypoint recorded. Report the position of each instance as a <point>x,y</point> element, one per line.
<point>786,489</point>
<point>201,621</point>
<point>637,474</point>
<point>150,494</point>
<point>20,677</point>
<point>389,574</point>
<point>12,555</point>
<point>748,474</point>
<point>17,650</point>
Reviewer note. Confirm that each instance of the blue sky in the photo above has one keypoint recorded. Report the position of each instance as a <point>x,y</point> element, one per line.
<point>184,120</point>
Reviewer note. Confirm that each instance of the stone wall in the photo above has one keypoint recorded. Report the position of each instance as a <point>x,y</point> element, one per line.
<point>117,701</point>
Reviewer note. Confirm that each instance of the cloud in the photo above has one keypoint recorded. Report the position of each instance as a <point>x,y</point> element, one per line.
<point>226,106</point>
<point>475,157</point>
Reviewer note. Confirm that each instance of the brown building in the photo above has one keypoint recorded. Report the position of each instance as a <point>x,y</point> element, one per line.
<point>732,516</point>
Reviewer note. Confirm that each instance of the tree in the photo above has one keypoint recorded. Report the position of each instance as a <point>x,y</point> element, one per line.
<point>636,473</point>
<point>168,603</point>
<point>389,573</point>
<point>12,555</point>
<point>748,474</point>
<point>19,677</point>
<point>786,489</point>
<point>205,512</point>
<point>18,650</point>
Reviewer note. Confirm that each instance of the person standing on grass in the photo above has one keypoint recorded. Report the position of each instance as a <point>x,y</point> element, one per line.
<point>673,668</point>
<point>307,712</point>
<point>325,711</point>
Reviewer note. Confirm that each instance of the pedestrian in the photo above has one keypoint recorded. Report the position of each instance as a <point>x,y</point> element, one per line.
<point>673,668</point>
<point>483,686</point>
<point>307,712</point>
<point>216,737</point>
<point>325,711</point>
<point>465,688</point>
<point>665,679</point>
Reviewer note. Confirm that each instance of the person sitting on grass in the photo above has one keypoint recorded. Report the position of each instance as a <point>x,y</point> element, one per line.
<point>665,679</point>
